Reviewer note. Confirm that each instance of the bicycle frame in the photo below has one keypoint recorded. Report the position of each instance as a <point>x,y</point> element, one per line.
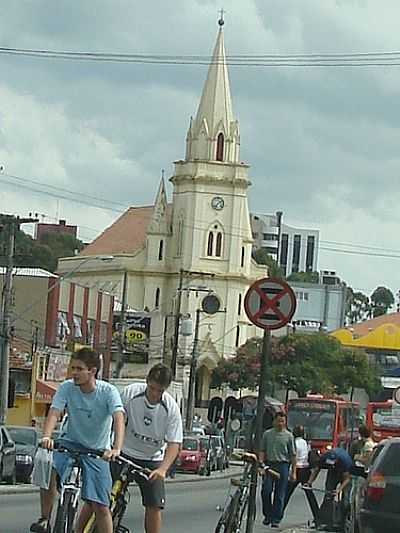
<point>119,495</point>
<point>70,491</point>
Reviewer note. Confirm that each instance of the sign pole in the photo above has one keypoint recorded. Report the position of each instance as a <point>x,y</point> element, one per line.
<point>257,441</point>
<point>270,303</point>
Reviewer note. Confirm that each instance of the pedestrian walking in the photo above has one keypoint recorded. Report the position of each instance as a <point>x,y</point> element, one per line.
<point>93,406</point>
<point>303,470</point>
<point>367,446</point>
<point>153,437</point>
<point>278,452</point>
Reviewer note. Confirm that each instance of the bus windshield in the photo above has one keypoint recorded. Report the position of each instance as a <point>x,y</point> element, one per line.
<point>386,417</point>
<point>318,418</point>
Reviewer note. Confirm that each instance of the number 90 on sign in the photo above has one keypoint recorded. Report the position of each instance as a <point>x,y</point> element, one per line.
<point>134,335</point>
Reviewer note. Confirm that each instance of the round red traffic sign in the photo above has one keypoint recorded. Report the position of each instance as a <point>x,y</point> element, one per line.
<point>270,303</point>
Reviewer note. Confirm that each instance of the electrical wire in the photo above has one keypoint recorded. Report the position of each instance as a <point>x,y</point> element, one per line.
<point>358,59</point>
<point>206,224</point>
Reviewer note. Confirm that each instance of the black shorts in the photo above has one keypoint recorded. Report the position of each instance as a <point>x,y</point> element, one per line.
<point>153,492</point>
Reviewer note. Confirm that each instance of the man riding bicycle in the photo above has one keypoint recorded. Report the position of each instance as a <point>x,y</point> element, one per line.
<point>153,437</point>
<point>93,406</point>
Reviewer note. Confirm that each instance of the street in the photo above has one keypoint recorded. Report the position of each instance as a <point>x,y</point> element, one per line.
<point>190,507</point>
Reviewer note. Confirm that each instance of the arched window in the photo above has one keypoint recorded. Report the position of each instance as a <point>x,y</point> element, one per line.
<point>240,305</point>
<point>220,147</point>
<point>242,259</point>
<point>179,247</point>
<point>218,247</point>
<point>210,243</point>
<point>157,298</point>
<point>237,336</point>
<point>160,250</point>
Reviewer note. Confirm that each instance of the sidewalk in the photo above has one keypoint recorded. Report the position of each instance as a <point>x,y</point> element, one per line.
<point>234,470</point>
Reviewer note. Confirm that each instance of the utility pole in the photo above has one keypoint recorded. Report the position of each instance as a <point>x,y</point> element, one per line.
<point>13,224</point>
<point>122,325</point>
<point>177,323</point>
<point>182,274</point>
<point>192,375</point>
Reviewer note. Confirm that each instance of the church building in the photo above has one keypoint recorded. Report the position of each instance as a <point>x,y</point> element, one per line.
<point>200,239</point>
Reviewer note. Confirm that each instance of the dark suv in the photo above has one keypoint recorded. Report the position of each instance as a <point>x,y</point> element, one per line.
<point>376,498</point>
<point>7,457</point>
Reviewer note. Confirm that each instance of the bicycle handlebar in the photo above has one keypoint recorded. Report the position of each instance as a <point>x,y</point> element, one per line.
<point>310,487</point>
<point>135,468</point>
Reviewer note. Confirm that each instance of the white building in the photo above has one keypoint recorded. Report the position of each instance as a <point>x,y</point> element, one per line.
<point>298,248</point>
<point>320,306</point>
<point>205,231</point>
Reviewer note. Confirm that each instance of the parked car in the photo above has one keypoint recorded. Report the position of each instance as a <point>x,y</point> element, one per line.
<point>220,450</point>
<point>8,470</point>
<point>374,504</point>
<point>192,457</point>
<point>26,441</point>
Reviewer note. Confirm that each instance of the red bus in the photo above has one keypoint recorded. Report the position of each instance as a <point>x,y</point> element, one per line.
<point>383,419</point>
<point>328,423</point>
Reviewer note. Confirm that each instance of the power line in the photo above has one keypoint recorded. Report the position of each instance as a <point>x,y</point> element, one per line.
<point>207,225</point>
<point>359,59</point>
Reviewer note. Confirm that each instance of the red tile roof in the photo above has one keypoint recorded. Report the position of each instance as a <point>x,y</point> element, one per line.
<point>363,328</point>
<point>126,235</point>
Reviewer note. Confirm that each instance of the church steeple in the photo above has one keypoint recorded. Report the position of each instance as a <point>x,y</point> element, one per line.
<point>214,134</point>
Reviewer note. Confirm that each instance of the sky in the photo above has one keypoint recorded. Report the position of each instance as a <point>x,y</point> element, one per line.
<point>82,140</point>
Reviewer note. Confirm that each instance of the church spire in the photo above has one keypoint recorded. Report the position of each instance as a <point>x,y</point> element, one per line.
<point>214,134</point>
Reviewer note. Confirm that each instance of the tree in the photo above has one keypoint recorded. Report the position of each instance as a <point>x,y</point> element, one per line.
<point>262,257</point>
<point>382,300</point>
<point>304,277</point>
<point>301,363</point>
<point>43,254</point>
<point>358,306</point>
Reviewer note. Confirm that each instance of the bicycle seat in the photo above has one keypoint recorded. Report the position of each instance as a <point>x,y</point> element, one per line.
<point>235,481</point>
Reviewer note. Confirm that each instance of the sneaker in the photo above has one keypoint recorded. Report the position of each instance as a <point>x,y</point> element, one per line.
<point>41,526</point>
<point>275,524</point>
<point>266,522</point>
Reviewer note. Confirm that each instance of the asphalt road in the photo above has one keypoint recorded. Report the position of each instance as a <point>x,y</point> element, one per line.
<point>190,507</point>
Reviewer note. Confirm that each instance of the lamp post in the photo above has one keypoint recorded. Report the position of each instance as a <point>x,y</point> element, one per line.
<point>210,305</point>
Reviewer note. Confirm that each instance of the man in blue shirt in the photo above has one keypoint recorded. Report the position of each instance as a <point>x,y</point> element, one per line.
<point>338,464</point>
<point>93,407</point>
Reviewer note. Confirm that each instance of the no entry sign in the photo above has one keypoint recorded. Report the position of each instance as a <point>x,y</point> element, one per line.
<point>270,303</point>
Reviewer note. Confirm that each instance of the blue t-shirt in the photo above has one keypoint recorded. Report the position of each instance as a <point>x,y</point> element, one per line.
<point>337,458</point>
<point>89,414</point>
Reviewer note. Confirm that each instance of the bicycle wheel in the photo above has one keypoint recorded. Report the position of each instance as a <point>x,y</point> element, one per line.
<point>227,521</point>
<point>65,514</point>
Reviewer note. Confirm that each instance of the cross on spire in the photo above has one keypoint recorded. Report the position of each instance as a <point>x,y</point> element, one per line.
<point>221,20</point>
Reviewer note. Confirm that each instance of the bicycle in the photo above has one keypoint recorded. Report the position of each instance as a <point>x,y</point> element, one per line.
<point>119,494</point>
<point>232,515</point>
<point>329,515</point>
<point>70,490</point>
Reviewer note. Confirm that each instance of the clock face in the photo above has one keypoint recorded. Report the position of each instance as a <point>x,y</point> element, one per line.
<point>217,203</point>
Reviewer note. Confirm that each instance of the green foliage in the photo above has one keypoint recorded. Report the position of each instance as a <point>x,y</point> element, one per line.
<point>304,277</point>
<point>262,257</point>
<point>382,300</point>
<point>299,362</point>
<point>361,307</point>
<point>44,254</point>
<point>358,306</point>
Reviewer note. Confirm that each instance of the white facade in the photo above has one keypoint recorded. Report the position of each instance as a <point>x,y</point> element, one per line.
<point>298,247</point>
<point>206,232</point>
<point>319,307</point>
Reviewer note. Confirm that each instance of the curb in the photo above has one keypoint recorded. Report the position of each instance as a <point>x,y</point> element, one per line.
<point>32,489</point>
